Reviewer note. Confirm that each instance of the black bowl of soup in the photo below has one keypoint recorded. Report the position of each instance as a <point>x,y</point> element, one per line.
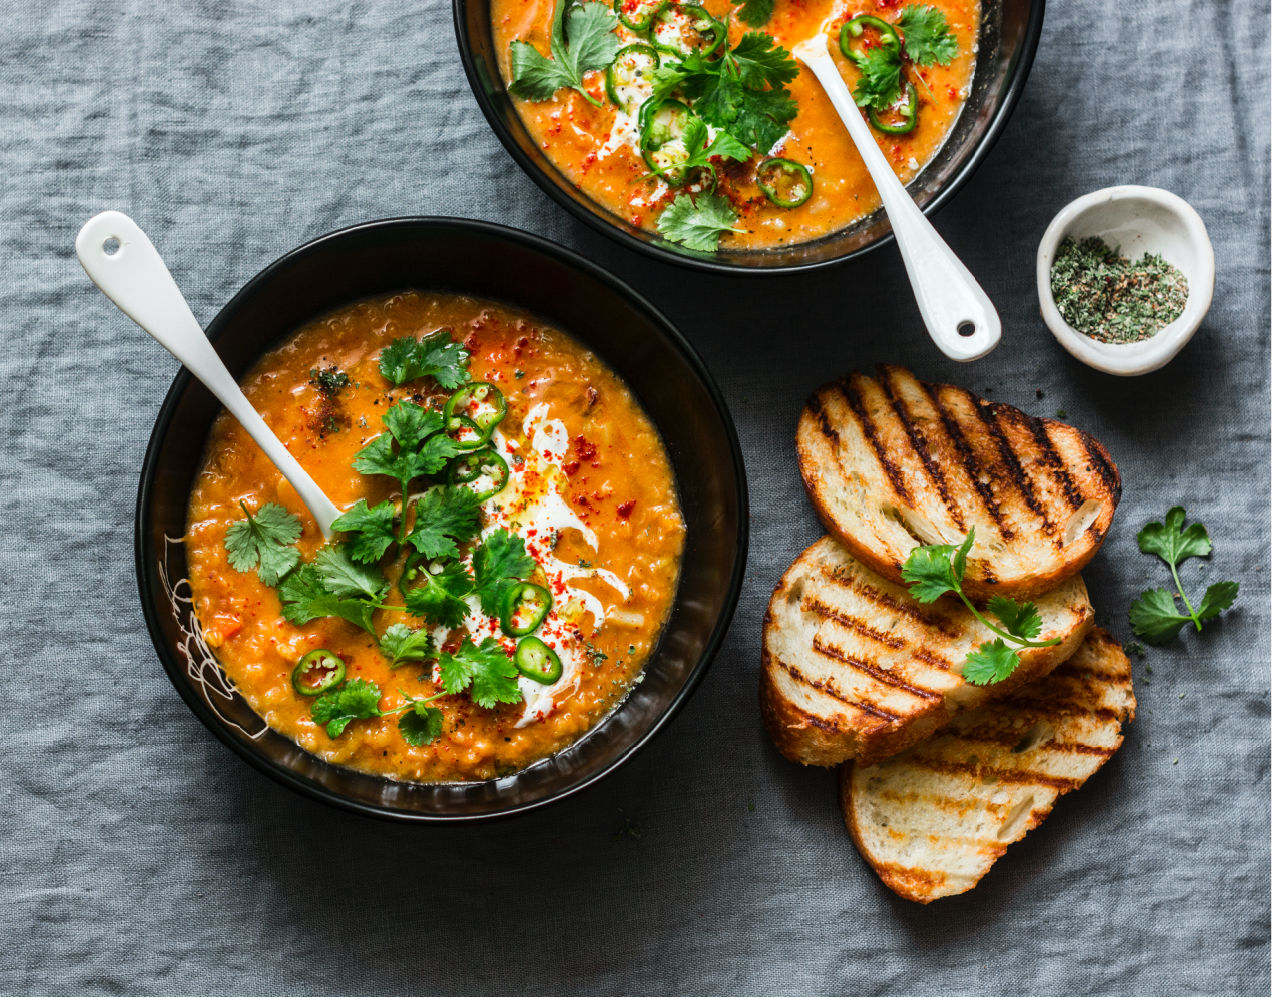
<point>600,397</point>
<point>609,155</point>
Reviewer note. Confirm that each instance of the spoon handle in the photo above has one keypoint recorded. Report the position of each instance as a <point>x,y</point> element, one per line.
<point>123,262</point>
<point>948,296</point>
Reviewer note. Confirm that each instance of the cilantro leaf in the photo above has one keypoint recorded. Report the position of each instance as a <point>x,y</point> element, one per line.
<point>341,576</point>
<point>499,562</point>
<point>411,423</point>
<point>486,668</point>
<point>756,13</point>
<point>700,153</point>
<point>377,457</point>
<point>370,529</point>
<point>1218,598</point>
<point>927,34</point>
<point>761,62</point>
<point>436,355</point>
<point>355,700</point>
<point>445,516</point>
<point>880,83</point>
<point>1022,619</point>
<point>1171,543</point>
<point>936,569</point>
<point>401,644</point>
<point>305,598</point>
<point>439,598</point>
<point>1155,616</point>
<point>698,224</point>
<point>264,541</point>
<point>421,725</point>
<point>992,662</point>
<point>582,38</point>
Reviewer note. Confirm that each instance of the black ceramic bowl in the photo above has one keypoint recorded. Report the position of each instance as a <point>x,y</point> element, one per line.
<point>1008,40</point>
<point>490,261</point>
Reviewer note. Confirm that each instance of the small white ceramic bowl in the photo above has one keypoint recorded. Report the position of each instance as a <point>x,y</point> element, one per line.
<point>1139,220</point>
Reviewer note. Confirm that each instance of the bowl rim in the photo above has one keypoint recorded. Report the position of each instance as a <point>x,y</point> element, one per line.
<point>1155,352</point>
<point>1011,95</point>
<point>144,561</point>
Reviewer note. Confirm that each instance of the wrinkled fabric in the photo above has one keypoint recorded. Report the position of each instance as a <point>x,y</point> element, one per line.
<point>139,855</point>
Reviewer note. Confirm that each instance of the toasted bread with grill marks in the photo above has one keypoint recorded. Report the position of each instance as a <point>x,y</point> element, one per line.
<point>892,462</point>
<point>933,820</point>
<point>855,668</point>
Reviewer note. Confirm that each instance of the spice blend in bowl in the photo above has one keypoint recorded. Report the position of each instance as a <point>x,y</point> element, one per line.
<point>1109,298</point>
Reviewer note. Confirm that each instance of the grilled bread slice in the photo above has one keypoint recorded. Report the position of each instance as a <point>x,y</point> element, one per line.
<point>933,820</point>
<point>892,462</point>
<point>855,668</point>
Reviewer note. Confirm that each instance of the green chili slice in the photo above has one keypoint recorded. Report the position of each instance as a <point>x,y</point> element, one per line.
<point>537,661</point>
<point>784,182</point>
<point>481,402</point>
<point>525,607</point>
<point>317,672</point>
<point>685,28</point>
<point>475,466</point>
<point>907,109</point>
<point>854,29</point>
<point>465,432</point>
<point>637,14</point>
<point>629,78</point>
<point>661,121</point>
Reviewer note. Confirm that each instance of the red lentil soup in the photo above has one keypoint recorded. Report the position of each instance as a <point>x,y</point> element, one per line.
<point>598,147</point>
<point>589,492</point>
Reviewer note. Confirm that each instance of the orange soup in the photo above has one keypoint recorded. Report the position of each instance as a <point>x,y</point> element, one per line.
<point>510,607</point>
<point>619,140</point>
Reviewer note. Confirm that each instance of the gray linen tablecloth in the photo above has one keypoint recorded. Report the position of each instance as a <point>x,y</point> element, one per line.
<point>139,855</point>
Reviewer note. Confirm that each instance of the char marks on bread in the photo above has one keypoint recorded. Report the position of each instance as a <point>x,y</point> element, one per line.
<point>855,668</point>
<point>891,462</point>
<point>933,820</point>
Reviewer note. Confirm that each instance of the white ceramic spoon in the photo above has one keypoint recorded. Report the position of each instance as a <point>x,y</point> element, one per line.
<point>124,263</point>
<point>948,296</point>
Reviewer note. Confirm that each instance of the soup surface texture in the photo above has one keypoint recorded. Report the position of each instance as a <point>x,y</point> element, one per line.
<point>598,147</point>
<point>589,493</point>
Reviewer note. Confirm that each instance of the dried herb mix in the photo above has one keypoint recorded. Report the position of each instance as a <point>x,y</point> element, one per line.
<point>1105,296</point>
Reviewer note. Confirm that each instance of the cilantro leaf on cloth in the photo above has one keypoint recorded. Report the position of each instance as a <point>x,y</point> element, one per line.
<point>355,700</point>
<point>486,668</point>
<point>370,529</point>
<point>401,644</point>
<point>445,516</point>
<point>439,598</point>
<point>304,597</point>
<point>582,38</point>
<point>1155,616</point>
<point>435,355</point>
<point>499,562</point>
<point>927,34</point>
<point>264,541</point>
<point>697,224</point>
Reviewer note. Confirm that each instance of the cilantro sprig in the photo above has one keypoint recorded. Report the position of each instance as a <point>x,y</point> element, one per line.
<point>265,541</point>
<point>1155,616</point>
<point>582,39</point>
<point>937,569</point>
<point>485,670</point>
<point>359,699</point>
<point>926,40</point>
<point>435,356</point>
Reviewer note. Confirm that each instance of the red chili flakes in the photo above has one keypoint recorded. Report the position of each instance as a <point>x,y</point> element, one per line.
<point>625,510</point>
<point>584,448</point>
<point>570,467</point>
